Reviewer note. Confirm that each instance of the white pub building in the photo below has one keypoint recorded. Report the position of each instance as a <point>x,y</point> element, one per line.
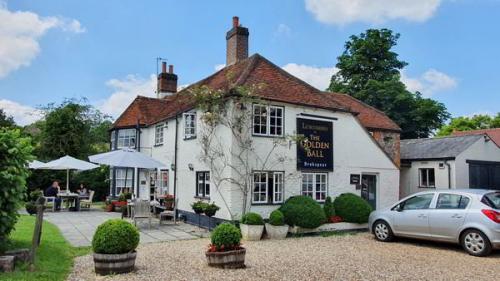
<point>351,146</point>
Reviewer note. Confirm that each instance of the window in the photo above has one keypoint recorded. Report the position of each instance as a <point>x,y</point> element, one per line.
<point>113,142</point>
<point>427,177</point>
<point>190,125</point>
<point>124,179</point>
<point>159,134</point>
<point>314,185</point>
<point>163,180</point>
<point>126,138</point>
<point>267,120</point>
<point>452,201</point>
<point>418,202</point>
<point>202,184</point>
<point>267,187</point>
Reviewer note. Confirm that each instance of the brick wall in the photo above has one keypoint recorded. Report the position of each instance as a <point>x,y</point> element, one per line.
<point>390,142</point>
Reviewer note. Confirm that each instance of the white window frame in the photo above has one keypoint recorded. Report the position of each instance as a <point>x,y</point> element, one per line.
<point>317,186</point>
<point>159,133</point>
<point>273,196</point>
<point>261,184</point>
<point>264,117</point>
<point>189,128</point>
<point>113,140</point>
<point>125,137</point>
<point>421,180</point>
<point>163,185</point>
<point>203,184</point>
<point>120,179</point>
<point>278,186</point>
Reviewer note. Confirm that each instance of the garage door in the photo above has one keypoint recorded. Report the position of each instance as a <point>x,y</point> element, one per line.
<point>484,174</point>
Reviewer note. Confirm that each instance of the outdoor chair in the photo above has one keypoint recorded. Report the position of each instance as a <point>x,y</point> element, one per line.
<point>51,200</point>
<point>87,203</point>
<point>142,210</point>
<point>170,213</point>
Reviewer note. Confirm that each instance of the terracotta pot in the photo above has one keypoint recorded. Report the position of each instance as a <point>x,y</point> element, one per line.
<point>276,231</point>
<point>229,259</point>
<point>106,264</point>
<point>251,232</point>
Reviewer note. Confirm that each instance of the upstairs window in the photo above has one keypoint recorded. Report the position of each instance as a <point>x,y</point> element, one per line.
<point>190,125</point>
<point>126,138</point>
<point>427,178</point>
<point>159,134</point>
<point>267,120</point>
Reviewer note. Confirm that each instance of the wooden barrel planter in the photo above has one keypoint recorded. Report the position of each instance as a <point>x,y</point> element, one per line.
<point>106,264</point>
<point>229,259</point>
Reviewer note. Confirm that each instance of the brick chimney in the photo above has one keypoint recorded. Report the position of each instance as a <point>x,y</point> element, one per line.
<point>167,81</point>
<point>237,43</point>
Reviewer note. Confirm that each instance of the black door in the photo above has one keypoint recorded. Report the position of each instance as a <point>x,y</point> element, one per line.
<point>484,174</point>
<point>369,189</point>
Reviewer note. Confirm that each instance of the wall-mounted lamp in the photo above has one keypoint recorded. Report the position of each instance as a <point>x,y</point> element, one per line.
<point>191,167</point>
<point>172,167</point>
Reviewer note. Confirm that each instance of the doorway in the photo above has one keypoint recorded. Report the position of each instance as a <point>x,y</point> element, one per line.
<point>369,189</point>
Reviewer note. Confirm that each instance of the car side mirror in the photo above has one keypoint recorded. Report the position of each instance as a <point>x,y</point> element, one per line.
<point>398,208</point>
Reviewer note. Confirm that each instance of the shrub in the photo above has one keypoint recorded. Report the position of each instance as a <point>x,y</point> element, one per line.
<point>211,209</point>
<point>277,218</point>
<point>225,237</point>
<point>30,207</point>
<point>35,194</point>
<point>352,208</point>
<point>303,211</point>
<point>252,219</point>
<point>329,208</point>
<point>115,237</point>
<point>15,153</point>
<point>199,207</point>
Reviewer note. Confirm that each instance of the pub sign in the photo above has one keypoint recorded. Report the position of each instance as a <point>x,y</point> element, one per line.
<point>315,152</point>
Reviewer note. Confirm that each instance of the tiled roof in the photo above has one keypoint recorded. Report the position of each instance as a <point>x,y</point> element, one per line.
<point>436,148</point>
<point>278,85</point>
<point>494,134</point>
<point>369,116</point>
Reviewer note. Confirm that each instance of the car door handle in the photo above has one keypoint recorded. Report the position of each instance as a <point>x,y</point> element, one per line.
<point>457,216</point>
<point>422,216</point>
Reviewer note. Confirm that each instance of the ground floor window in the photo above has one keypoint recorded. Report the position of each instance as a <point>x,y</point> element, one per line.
<point>267,187</point>
<point>124,179</point>
<point>314,185</point>
<point>203,184</point>
<point>427,178</point>
<point>163,181</point>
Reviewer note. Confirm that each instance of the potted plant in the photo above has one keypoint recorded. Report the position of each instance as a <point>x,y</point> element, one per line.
<point>210,210</point>
<point>252,226</point>
<point>169,201</point>
<point>109,207</point>
<point>225,250</point>
<point>114,245</point>
<point>276,228</point>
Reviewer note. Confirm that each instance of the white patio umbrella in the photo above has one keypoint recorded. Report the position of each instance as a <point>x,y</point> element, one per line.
<point>67,163</point>
<point>35,164</point>
<point>127,158</point>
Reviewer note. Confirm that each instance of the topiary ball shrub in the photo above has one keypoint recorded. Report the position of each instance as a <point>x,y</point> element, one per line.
<point>329,208</point>
<point>352,208</point>
<point>303,211</point>
<point>225,237</point>
<point>277,218</point>
<point>252,219</point>
<point>115,237</point>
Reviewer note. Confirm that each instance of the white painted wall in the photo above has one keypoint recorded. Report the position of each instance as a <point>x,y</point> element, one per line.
<point>410,176</point>
<point>355,152</point>
<point>480,150</point>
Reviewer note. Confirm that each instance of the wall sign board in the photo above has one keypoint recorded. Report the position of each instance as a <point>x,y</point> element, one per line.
<point>316,151</point>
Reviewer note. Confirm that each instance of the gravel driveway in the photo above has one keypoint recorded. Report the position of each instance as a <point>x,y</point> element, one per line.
<point>347,257</point>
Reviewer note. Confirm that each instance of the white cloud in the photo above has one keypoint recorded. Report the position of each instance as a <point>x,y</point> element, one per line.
<point>20,32</point>
<point>318,77</point>
<point>430,82</point>
<point>283,29</point>
<point>341,12</point>
<point>23,114</point>
<point>124,92</point>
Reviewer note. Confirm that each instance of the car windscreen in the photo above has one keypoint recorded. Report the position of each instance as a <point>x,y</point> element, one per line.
<point>492,200</point>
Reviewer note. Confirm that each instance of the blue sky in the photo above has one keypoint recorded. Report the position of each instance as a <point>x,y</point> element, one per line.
<point>105,50</point>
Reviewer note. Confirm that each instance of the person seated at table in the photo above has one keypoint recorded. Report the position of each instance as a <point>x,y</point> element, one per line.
<point>52,191</point>
<point>82,191</point>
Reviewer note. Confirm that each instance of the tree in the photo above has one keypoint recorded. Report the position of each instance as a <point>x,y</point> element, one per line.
<point>370,71</point>
<point>6,121</point>
<point>465,123</point>
<point>15,153</point>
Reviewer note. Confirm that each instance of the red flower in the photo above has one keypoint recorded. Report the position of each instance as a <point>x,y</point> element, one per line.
<point>335,219</point>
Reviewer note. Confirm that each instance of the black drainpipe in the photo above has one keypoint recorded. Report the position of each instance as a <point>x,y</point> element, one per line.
<point>449,173</point>
<point>175,161</point>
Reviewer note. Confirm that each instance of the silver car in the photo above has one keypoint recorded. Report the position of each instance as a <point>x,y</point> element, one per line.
<point>470,217</point>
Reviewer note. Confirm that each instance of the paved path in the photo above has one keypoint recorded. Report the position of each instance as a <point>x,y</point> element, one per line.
<point>79,227</point>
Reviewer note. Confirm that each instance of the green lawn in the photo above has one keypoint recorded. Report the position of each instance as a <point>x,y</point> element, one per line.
<point>54,257</point>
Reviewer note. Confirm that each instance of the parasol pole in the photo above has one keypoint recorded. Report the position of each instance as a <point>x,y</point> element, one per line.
<point>67,180</point>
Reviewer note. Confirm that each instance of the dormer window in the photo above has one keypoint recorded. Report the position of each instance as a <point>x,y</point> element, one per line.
<point>159,134</point>
<point>267,120</point>
<point>189,125</point>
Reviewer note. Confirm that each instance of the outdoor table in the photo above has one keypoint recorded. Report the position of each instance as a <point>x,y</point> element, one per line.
<point>71,196</point>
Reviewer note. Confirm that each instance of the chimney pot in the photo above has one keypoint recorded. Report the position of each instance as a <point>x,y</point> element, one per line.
<point>164,67</point>
<point>236,21</point>
<point>171,69</point>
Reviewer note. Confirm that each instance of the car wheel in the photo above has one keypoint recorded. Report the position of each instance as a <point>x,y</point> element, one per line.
<point>382,231</point>
<point>475,243</point>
